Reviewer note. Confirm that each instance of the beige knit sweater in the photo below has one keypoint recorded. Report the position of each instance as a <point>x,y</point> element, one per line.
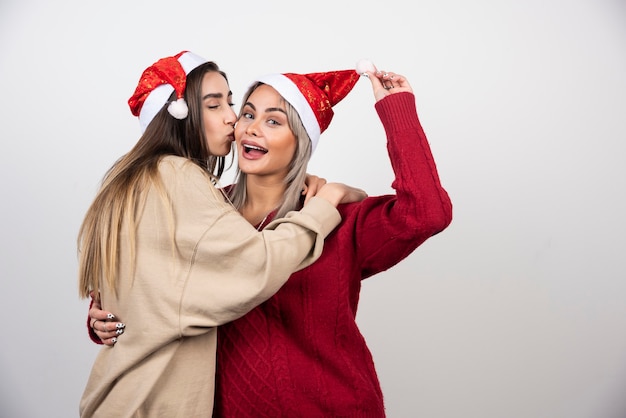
<point>220,269</point>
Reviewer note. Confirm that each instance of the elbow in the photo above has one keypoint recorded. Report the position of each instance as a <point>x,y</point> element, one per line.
<point>443,218</point>
<point>446,215</point>
<point>436,220</point>
<point>440,224</point>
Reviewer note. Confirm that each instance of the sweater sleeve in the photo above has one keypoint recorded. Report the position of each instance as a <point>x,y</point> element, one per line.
<point>228,266</point>
<point>390,227</point>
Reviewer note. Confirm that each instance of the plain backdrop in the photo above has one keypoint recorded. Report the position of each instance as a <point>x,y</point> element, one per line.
<point>517,310</point>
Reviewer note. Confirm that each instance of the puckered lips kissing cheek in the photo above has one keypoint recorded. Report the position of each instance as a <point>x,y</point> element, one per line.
<point>230,139</point>
<point>251,150</point>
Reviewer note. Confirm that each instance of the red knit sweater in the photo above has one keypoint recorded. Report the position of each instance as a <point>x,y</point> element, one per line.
<point>301,354</point>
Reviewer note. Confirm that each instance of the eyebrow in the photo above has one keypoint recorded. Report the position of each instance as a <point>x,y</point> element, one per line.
<point>269,109</point>
<point>216,95</point>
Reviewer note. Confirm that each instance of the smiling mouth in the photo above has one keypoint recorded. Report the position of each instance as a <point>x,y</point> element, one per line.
<point>251,149</point>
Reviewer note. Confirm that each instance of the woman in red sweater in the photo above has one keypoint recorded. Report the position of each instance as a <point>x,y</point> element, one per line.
<point>301,354</point>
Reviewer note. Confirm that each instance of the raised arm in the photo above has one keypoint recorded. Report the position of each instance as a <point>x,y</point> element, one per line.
<point>390,227</point>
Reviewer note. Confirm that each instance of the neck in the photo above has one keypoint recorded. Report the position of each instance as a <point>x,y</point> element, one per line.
<point>264,195</point>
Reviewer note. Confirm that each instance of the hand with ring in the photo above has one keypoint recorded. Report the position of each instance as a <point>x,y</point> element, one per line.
<point>385,83</point>
<point>104,324</point>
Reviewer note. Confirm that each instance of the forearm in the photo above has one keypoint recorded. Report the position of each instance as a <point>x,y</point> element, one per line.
<point>417,184</point>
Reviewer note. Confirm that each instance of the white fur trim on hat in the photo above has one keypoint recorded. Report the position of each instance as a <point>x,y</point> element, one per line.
<point>189,61</point>
<point>290,92</point>
<point>161,94</point>
<point>153,103</point>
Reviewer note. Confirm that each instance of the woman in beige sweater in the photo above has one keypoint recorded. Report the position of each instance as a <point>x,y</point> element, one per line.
<point>161,245</point>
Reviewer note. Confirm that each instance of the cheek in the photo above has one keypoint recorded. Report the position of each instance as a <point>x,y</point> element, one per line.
<point>288,152</point>
<point>239,130</point>
<point>291,146</point>
<point>212,125</point>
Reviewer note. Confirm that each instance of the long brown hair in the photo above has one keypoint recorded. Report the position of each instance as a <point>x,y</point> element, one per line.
<point>121,193</point>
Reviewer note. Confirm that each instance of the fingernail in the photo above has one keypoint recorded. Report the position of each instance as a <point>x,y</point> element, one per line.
<point>119,331</point>
<point>113,340</point>
<point>110,316</point>
<point>120,325</point>
<point>366,75</point>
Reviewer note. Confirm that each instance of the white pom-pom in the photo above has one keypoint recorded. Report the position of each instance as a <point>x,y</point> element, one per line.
<point>178,109</point>
<point>365,65</point>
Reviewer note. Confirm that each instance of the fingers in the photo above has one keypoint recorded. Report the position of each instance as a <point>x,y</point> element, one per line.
<point>395,83</point>
<point>108,328</point>
<point>96,312</point>
<point>110,341</point>
<point>104,323</point>
<point>385,83</point>
<point>108,331</point>
<point>390,80</point>
<point>312,185</point>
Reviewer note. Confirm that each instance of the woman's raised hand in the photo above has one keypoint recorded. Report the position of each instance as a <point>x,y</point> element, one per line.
<point>384,83</point>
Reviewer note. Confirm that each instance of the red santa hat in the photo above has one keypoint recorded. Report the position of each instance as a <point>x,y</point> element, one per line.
<point>157,84</point>
<point>313,96</point>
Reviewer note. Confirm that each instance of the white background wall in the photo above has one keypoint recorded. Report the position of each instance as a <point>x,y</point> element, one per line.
<point>517,310</point>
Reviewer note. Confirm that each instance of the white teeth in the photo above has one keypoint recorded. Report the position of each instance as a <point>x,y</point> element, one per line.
<point>252,147</point>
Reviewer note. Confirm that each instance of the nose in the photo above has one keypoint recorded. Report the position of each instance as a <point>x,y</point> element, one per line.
<point>230,118</point>
<point>251,128</point>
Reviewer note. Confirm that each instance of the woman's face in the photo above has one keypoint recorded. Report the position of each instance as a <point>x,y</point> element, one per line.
<point>265,142</point>
<point>217,113</point>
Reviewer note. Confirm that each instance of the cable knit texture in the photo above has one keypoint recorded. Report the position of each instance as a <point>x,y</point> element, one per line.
<point>301,354</point>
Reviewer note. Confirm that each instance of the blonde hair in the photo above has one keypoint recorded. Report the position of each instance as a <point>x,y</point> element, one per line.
<point>121,194</point>
<point>296,176</point>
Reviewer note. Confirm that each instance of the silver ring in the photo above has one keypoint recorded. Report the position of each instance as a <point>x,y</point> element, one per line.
<point>104,326</point>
